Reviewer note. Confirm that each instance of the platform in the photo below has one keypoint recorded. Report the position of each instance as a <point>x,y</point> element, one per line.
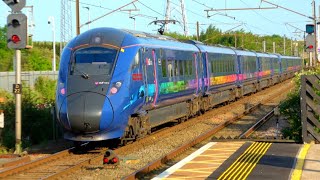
<point>248,160</point>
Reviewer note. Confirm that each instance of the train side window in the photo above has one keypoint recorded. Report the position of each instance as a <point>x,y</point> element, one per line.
<point>176,68</point>
<point>180,68</point>
<point>136,61</point>
<point>185,68</point>
<point>190,67</point>
<point>164,68</point>
<point>170,68</point>
<point>212,66</point>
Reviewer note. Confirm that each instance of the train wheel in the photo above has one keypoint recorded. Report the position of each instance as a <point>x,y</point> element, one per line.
<point>129,136</point>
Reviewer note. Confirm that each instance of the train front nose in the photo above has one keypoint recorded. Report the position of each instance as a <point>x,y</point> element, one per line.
<point>88,112</point>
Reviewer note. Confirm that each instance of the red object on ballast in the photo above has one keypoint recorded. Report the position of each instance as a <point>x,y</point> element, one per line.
<point>105,160</point>
<point>114,160</point>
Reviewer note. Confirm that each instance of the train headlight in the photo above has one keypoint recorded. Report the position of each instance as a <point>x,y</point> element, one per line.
<point>115,87</point>
<point>118,84</point>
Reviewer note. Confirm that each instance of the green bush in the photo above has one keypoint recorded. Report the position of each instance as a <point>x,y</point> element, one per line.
<point>37,122</point>
<point>46,87</point>
<point>291,107</point>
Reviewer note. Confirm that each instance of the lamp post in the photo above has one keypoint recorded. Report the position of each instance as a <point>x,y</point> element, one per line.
<point>51,22</point>
<point>88,8</point>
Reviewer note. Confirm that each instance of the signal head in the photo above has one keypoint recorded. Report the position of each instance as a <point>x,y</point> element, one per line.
<point>17,31</point>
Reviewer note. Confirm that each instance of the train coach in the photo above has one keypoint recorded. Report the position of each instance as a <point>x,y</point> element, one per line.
<point>118,84</point>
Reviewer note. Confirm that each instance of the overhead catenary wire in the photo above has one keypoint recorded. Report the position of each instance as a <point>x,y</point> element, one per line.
<point>259,13</point>
<point>150,8</point>
<point>108,13</point>
<point>206,5</point>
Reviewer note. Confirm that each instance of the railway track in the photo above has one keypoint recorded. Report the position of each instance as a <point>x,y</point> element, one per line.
<point>66,162</point>
<point>258,124</point>
<point>53,165</point>
<point>242,134</point>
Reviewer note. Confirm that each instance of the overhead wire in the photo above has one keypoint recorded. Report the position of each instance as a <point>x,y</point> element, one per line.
<point>259,13</point>
<point>201,3</point>
<point>190,11</point>
<point>199,14</point>
<point>150,8</point>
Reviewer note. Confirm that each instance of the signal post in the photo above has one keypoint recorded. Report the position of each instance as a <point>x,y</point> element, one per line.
<point>17,36</point>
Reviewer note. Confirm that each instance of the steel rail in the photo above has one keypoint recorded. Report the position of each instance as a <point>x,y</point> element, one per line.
<point>257,124</point>
<point>14,170</point>
<point>159,162</point>
<point>94,160</point>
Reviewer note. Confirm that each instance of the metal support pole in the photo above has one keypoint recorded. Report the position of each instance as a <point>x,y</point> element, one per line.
<point>274,47</point>
<point>198,37</point>
<point>88,8</point>
<point>310,58</point>
<point>242,41</point>
<point>134,23</point>
<point>235,40</point>
<point>303,60</point>
<point>53,28</point>
<point>318,35</point>
<point>284,45</point>
<point>77,17</point>
<point>18,103</point>
<point>264,46</point>
<point>54,50</point>
<point>291,48</point>
<point>315,32</point>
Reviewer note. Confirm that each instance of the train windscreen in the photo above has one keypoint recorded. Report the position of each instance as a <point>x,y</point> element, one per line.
<point>93,61</point>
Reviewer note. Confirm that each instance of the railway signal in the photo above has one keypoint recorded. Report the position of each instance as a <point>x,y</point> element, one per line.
<point>310,43</point>
<point>110,158</point>
<point>15,5</point>
<point>17,33</point>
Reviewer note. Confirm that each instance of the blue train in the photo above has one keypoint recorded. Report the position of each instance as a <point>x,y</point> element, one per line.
<point>118,84</point>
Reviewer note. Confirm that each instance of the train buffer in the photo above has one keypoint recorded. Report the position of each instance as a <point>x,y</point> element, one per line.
<point>249,160</point>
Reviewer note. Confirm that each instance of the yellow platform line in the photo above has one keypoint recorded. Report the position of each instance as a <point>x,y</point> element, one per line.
<point>247,172</point>
<point>296,175</point>
<point>229,170</point>
<point>248,160</point>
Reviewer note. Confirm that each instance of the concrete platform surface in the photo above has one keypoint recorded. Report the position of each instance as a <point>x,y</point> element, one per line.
<point>311,168</point>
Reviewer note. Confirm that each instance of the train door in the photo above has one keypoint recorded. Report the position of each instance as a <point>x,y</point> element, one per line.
<point>150,76</point>
<point>259,67</point>
<point>205,72</point>
<point>240,69</point>
<point>197,72</point>
<point>137,89</point>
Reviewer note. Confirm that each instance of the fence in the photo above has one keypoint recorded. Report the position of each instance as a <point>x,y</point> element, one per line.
<point>310,108</point>
<point>28,78</point>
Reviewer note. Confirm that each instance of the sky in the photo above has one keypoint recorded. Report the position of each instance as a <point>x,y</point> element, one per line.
<point>262,22</point>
